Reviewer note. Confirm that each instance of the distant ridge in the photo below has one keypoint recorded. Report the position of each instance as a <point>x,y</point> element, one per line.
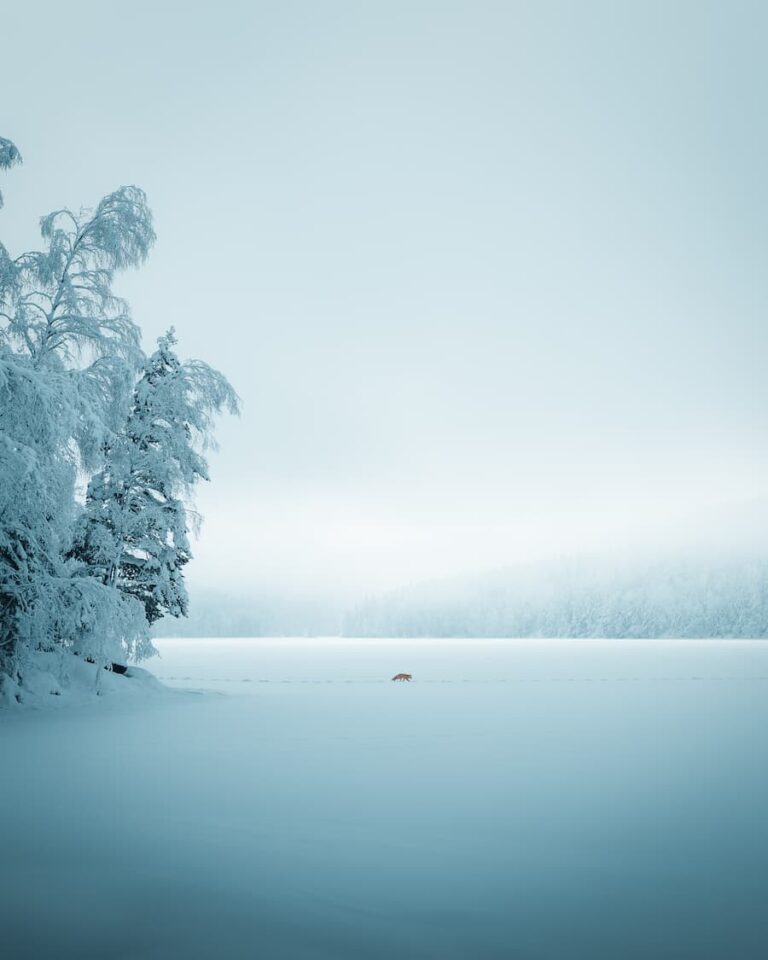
<point>587,597</point>
<point>597,597</point>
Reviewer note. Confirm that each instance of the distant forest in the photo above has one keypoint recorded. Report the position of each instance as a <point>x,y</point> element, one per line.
<point>673,599</point>
<point>588,598</point>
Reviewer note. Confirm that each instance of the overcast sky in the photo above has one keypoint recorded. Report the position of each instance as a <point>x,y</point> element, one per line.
<point>489,277</point>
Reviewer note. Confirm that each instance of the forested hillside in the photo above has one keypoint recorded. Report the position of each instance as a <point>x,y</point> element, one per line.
<point>586,599</point>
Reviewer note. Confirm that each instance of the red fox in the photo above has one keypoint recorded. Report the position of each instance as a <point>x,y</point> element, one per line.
<point>403,676</point>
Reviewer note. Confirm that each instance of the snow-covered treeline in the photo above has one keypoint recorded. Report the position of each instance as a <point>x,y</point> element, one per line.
<point>673,598</point>
<point>82,408</point>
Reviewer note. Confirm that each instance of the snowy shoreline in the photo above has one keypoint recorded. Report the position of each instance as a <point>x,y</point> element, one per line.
<point>233,665</point>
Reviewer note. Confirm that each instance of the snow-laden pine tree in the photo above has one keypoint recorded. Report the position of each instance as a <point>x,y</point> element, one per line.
<point>134,531</point>
<point>68,355</point>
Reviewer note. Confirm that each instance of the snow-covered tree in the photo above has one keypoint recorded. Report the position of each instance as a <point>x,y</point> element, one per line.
<point>79,400</point>
<point>68,354</point>
<point>60,307</point>
<point>134,532</point>
<point>9,156</point>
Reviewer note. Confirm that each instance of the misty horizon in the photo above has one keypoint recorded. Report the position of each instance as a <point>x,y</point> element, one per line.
<point>704,587</point>
<point>489,283</point>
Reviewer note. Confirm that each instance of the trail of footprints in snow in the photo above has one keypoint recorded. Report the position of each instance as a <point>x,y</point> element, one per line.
<point>504,680</point>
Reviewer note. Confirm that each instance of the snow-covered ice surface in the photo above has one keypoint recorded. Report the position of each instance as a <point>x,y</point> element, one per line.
<point>520,800</point>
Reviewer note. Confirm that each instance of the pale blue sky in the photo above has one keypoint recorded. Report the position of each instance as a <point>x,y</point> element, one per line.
<point>489,277</point>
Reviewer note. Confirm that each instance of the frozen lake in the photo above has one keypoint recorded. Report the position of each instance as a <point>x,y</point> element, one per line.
<point>538,800</point>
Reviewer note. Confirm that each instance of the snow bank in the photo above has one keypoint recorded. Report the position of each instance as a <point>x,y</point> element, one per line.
<point>59,679</point>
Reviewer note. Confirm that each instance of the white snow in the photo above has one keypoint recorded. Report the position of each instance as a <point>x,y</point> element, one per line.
<point>519,799</point>
<point>60,679</point>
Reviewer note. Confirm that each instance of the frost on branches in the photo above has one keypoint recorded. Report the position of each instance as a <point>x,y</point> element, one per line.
<point>134,531</point>
<point>79,402</point>
<point>9,156</point>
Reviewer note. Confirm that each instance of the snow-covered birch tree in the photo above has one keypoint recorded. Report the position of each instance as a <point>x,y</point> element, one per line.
<point>68,355</point>
<point>79,401</point>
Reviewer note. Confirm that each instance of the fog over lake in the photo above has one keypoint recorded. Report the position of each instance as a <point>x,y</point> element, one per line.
<point>488,277</point>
